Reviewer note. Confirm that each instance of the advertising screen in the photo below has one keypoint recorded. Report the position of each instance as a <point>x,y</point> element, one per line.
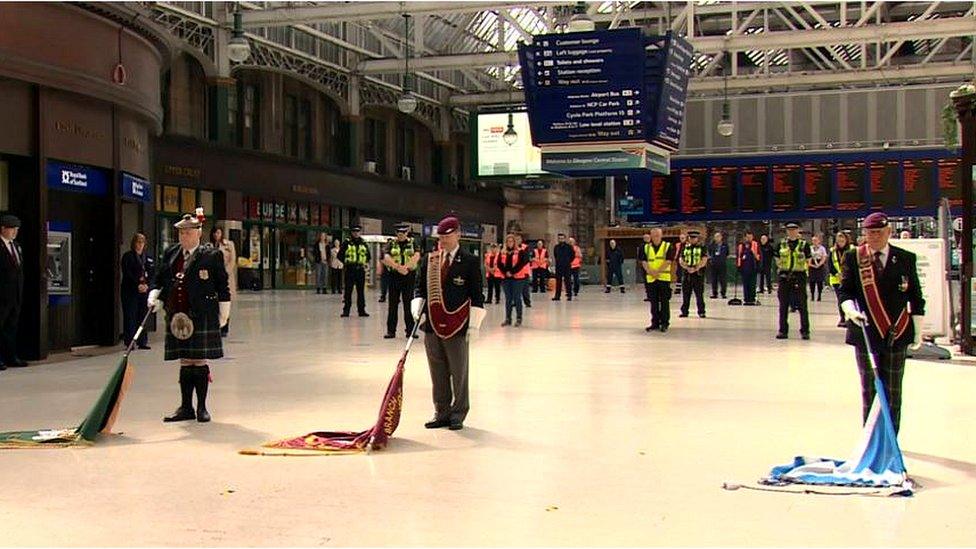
<point>495,158</point>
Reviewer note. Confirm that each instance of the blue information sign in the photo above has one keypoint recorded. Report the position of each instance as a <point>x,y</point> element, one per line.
<point>76,178</point>
<point>136,188</point>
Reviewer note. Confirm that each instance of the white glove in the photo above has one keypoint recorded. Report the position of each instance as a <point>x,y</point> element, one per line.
<point>224,313</point>
<point>917,325</point>
<point>850,311</point>
<point>152,300</point>
<point>475,317</point>
<point>416,307</point>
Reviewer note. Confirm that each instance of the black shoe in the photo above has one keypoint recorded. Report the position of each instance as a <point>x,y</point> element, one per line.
<point>181,414</point>
<point>2,366</point>
<point>781,335</point>
<point>683,315</point>
<point>507,323</point>
<point>456,426</point>
<point>364,314</point>
<point>651,328</point>
<point>145,347</point>
<point>518,322</point>
<point>647,300</point>
<point>415,336</point>
<point>622,290</point>
<point>528,305</point>
<point>713,297</point>
<point>496,303</point>
<point>607,291</point>
<point>437,423</point>
<point>701,315</point>
<point>344,315</point>
<point>805,336</point>
<point>556,299</point>
<point>382,300</point>
<point>842,324</point>
<point>389,336</point>
<point>664,329</point>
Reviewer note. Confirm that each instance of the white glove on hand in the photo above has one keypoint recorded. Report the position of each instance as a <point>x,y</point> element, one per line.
<point>850,311</point>
<point>152,300</point>
<point>917,325</point>
<point>416,307</point>
<point>476,317</point>
<point>224,313</point>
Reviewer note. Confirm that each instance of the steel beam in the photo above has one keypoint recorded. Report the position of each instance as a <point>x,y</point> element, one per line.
<point>358,11</point>
<point>441,62</point>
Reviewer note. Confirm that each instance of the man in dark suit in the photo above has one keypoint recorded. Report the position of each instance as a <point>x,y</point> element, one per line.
<point>563,254</point>
<point>191,283</point>
<point>449,291</point>
<point>879,286</point>
<point>11,291</point>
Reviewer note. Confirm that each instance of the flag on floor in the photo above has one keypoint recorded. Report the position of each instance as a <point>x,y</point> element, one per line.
<point>100,418</point>
<point>876,466</point>
<point>347,442</point>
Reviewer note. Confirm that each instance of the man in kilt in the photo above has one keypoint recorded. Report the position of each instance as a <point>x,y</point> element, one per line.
<point>191,284</point>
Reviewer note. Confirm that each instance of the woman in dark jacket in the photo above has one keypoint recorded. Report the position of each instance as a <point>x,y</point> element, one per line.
<point>615,263</point>
<point>137,271</point>
<point>766,252</point>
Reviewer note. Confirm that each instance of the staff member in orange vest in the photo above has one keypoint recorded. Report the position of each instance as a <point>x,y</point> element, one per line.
<point>540,267</point>
<point>879,285</point>
<point>493,274</point>
<point>514,264</point>
<point>575,265</point>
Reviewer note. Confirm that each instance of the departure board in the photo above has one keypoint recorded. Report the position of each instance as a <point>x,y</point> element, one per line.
<point>949,185</point>
<point>816,187</point>
<point>851,186</point>
<point>693,182</point>
<point>723,184</point>
<point>787,179</point>
<point>919,191</point>
<point>885,185</point>
<point>664,195</point>
<point>755,186</point>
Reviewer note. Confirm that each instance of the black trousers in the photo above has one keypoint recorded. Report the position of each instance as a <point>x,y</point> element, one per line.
<point>793,291</point>
<point>564,278</point>
<point>891,368</point>
<point>615,272</point>
<point>694,284</point>
<point>384,283</point>
<point>526,291</point>
<point>659,292</point>
<point>749,286</point>
<point>539,278</point>
<point>134,308</point>
<point>647,289</point>
<point>840,311</point>
<point>576,281</point>
<point>766,278</point>
<point>335,280</point>
<point>9,319</point>
<point>355,278</point>
<point>494,289</point>
<point>400,291</point>
<point>719,278</point>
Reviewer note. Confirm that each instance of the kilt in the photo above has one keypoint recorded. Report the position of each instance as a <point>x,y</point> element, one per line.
<point>205,343</point>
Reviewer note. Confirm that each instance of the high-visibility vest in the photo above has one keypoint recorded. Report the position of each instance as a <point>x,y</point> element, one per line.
<point>753,248</point>
<point>491,265</point>
<point>577,258</point>
<point>692,254</point>
<point>836,259</point>
<point>540,258</point>
<point>657,259</point>
<point>509,259</point>
<point>403,257</point>
<point>795,261</point>
<point>356,254</point>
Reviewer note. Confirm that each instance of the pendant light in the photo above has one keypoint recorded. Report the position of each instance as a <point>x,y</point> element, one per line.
<point>725,127</point>
<point>238,48</point>
<point>408,101</point>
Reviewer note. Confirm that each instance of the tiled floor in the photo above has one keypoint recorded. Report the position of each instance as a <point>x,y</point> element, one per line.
<point>584,430</point>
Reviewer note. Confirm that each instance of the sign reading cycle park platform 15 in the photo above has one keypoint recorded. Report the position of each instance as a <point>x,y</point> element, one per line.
<point>599,101</point>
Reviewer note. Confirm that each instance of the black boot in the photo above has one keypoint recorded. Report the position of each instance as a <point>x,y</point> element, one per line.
<point>185,411</point>
<point>202,383</point>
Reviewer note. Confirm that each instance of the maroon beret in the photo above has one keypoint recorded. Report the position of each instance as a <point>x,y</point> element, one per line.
<point>877,220</point>
<point>448,225</point>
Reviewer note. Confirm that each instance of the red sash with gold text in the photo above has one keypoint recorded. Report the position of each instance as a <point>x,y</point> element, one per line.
<point>879,316</point>
<point>445,323</point>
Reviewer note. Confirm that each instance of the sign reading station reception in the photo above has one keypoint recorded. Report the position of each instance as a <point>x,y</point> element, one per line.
<point>605,102</point>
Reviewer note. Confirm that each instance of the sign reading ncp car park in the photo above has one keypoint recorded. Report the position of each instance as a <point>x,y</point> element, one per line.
<point>617,93</point>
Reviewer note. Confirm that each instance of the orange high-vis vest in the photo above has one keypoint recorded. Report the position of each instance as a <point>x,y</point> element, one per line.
<point>754,248</point>
<point>491,265</point>
<point>577,258</point>
<point>540,258</point>
<point>509,259</point>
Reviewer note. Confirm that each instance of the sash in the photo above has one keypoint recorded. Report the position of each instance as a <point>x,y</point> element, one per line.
<point>879,316</point>
<point>445,323</point>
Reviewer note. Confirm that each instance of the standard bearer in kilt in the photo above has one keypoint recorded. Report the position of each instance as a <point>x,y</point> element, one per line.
<point>191,286</point>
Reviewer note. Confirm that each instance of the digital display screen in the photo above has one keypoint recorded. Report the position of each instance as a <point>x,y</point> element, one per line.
<point>786,187</point>
<point>664,195</point>
<point>723,185</point>
<point>755,186</point>
<point>885,185</point>
<point>693,190</point>
<point>816,187</point>
<point>497,158</point>
<point>851,186</point>
<point>949,186</point>
<point>919,190</point>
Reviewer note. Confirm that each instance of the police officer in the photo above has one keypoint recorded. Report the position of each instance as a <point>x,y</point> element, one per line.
<point>791,260</point>
<point>355,257</point>
<point>657,270</point>
<point>400,260</point>
<point>879,284</point>
<point>693,260</point>
<point>191,284</point>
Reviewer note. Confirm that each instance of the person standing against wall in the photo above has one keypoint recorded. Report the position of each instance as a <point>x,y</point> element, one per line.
<point>540,267</point>
<point>615,266</point>
<point>493,274</point>
<point>226,246</point>
<point>137,272</point>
